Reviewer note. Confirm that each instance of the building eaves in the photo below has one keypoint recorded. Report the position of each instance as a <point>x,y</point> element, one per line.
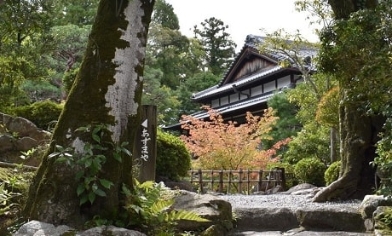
<point>235,106</point>
<point>227,87</point>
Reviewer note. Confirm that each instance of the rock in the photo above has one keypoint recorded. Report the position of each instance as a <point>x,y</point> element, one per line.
<point>5,119</point>
<point>369,205</point>
<point>266,218</point>
<point>6,143</point>
<point>21,126</point>
<point>25,143</point>
<point>183,185</point>
<point>18,135</point>
<point>37,228</point>
<point>347,219</point>
<point>301,187</point>
<point>274,190</point>
<point>371,202</point>
<point>110,230</point>
<point>213,208</point>
<point>382,224</point>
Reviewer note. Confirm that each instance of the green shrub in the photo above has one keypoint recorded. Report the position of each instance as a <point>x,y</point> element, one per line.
<point>173,159</point>
<point>310,170</point>
<point>332,173</point>
<point>41,113</point>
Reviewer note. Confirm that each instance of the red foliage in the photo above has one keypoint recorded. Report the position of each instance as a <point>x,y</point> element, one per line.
<point>227,145</point>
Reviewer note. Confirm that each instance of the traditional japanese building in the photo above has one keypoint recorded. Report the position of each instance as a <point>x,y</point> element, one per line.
<point>251,80</point>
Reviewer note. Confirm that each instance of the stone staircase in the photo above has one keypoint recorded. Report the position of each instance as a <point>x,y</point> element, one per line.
<point>299,222</point>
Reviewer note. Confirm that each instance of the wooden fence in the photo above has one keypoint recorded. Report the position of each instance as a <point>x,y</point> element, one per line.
<point>237,181</point>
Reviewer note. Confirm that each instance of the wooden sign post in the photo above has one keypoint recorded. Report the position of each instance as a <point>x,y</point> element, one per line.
<point>146,146</point>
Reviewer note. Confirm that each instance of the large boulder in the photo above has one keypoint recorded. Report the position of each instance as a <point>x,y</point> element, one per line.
<point>210,207</point>
<point>371,202</point>
<point>369,205</point>
<point>37,228</point>
<point>25,143</point>
<point>382,224</point>
<point>18,135</point>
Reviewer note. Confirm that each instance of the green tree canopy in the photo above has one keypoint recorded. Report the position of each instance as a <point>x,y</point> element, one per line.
<point>287,125</point>
<point>220,49</point>
<point>75,12</point>
<point>24,42</point>
<point>164,15</point>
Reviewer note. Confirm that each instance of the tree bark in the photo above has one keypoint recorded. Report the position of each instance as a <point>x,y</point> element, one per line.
<point>108,91</point>
<point>357,150</point>
<point>358,132</point>
<point>333,140</point>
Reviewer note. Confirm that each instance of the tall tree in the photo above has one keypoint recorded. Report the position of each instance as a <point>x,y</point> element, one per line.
<point>106,93</point>
<point>194,84</point>
<point>164,15</point>
<point>167,46</point>
<point>302,55</point>
<point>347,54</point>
<point>24,39</point>
<point>75,12</point>
<point>287,125</point>
<point>220,49</point>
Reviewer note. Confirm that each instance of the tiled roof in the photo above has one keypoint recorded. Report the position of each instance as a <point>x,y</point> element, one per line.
<point>235,106</point>
<point>227,87</point>
<point>251,43</point>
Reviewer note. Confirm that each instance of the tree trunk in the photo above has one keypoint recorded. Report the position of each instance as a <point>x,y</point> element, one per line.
<point>333,139</point>
<point>108,91</point>
<point>358,132</point>
<point>357,151</point>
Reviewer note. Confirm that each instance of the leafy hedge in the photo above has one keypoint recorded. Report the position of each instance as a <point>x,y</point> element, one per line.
<point>310,170</point>
<point>41,113</point>
<point>173,159</point>
<point>332,173</point>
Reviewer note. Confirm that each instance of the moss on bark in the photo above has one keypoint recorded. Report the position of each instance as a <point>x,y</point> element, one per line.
<point>52,196</point>
<point>358,136</point>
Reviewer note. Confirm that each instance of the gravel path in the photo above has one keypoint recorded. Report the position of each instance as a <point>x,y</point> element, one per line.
<point>284,200</point>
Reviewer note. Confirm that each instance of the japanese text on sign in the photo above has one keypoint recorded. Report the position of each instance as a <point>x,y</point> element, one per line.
<point>145,139</point>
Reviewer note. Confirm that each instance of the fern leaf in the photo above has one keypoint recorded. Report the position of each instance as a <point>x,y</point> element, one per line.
<point>185,215</point>
<point>161,206</point>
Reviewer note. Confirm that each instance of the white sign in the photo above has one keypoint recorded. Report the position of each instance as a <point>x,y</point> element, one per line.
<point>145,139</point>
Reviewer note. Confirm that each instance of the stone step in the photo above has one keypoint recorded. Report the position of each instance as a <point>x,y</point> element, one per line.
<point>298,232</point>
<point>285,219</point>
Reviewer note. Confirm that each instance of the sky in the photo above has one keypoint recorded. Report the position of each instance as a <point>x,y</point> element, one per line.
<point>243,17</point>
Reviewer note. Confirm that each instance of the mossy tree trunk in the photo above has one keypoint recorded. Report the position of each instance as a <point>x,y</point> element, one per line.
<point>107,90</point>
<point>358,132</point>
